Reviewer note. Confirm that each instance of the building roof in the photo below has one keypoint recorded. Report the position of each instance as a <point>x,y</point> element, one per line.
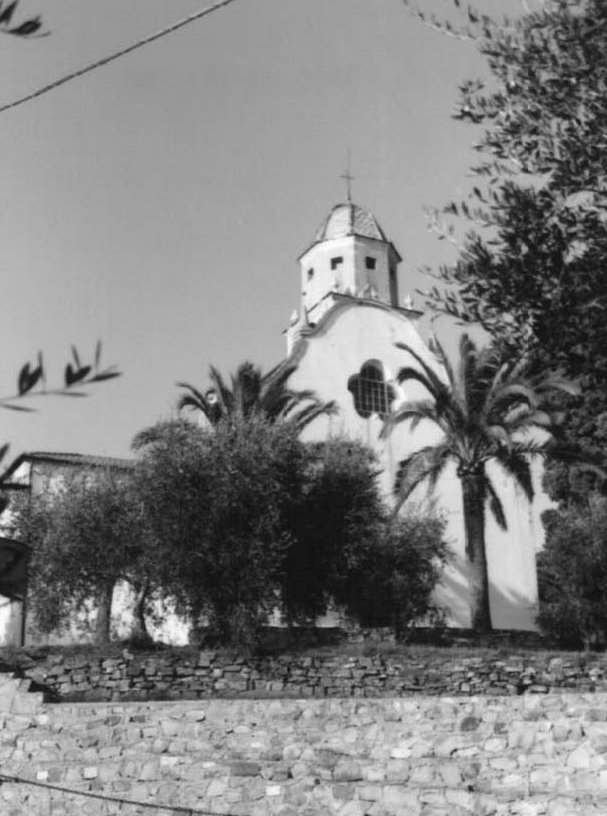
<point>342,302</point>
<point>83,460</point>
<point>349,219</point>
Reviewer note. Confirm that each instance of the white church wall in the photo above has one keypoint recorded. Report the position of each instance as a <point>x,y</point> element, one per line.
<point>11,622</point>
<point>357,332</point>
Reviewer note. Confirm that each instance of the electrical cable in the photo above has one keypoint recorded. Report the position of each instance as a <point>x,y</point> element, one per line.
<point>187,811</point>
<point>116,55</point>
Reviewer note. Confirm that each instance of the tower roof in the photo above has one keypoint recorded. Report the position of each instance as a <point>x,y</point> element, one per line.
<point>349,219</point>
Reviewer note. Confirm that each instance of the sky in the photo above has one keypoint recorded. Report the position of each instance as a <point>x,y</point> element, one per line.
<point>159,204</point>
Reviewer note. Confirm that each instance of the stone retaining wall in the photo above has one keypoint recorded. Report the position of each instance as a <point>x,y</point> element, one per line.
<point>182,675</point>
<point>533,755</point>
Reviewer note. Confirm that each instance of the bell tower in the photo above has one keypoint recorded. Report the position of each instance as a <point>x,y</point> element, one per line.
<point>350,256</point>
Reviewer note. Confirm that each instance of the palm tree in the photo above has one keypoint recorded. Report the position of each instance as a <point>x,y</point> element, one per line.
<point>490,410</point>
<point>251,392</point>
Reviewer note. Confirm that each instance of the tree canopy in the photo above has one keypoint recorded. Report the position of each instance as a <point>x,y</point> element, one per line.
<point>533,268</point>
<point>248,519</point>
<point>572,573</point>
<point>84,537</point>
<point>219,503</point>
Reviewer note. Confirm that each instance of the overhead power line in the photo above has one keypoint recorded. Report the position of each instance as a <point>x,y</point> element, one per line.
<point>116,55</point>
<point>120,800</point>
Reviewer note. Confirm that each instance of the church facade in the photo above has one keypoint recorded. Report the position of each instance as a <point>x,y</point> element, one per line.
<point>342,339</point>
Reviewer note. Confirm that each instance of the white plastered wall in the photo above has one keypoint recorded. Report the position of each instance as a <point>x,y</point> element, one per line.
<point>358,331</point>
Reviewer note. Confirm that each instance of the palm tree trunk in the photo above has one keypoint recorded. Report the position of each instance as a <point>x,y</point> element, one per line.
<point>104,611</point>
<point>139,630</point>
<point>474,521</point>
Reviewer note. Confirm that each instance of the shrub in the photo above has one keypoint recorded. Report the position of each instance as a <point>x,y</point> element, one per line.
<point>393,584</point>
<point>348,549</point>
<point>572,574</point>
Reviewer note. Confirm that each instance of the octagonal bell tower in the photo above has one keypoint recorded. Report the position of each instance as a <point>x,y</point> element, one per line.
<point>350,255</point>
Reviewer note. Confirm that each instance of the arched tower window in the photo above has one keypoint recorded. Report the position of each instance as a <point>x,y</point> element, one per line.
<point>370,391</point>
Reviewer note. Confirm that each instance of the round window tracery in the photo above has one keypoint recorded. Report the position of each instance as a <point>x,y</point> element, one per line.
<point>370,391</point>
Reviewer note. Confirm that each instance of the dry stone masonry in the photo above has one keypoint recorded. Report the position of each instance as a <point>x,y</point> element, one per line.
<point>531,755</point>
<point>175,675</point>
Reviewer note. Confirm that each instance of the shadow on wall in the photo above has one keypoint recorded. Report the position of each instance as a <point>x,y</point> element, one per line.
<point>513,593</point>
<point>510,609</point>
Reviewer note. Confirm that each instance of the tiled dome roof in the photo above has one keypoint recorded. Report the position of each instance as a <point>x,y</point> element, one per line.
<point>349,219</point>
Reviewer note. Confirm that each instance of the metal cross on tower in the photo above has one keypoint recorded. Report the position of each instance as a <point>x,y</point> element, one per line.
<point>349,178</point>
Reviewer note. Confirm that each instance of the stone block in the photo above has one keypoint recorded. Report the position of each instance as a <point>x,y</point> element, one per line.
<point>195,715</point>
<point>400,801</point>
<point>370,793</point>
<point>298,770</point>
<point>352,808</point>
<point>327,758</point>
<point>374,773</point>
<point>495,745</point>
<point>397,771</point>
<point>170,728</point>
<point>421,775</point>
<point>470,724</point>
<point>580,757</point>
<point>217,787</point>
<point>245,768</point>
<point>401,752</point>
<point>450,774</point>
<point>460,798</point>
<point>347,770</point>
<point>344,791</point>
<point>562,806</point>
<point>292,751</point>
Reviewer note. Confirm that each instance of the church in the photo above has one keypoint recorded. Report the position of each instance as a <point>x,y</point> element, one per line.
<point>342,339</point>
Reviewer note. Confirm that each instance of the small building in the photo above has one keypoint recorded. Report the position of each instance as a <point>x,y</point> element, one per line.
<point>30,475</point>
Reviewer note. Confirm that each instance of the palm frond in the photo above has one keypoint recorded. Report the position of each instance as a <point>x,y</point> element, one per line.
<point>437,349</point>
<point>279,374</point>
<point>414,410</point>
<point>224,395</point>
<point>437,385</point>
<point>251,392</point>
<point>246,388</point>
<point>500,435</point>
<point>466,367</point>
<point>495,504</point>
<point>531,419</point>
<point>279,403</point>
<point>478,371</point>
<point>516,464</point>
<point>193,399</point>
<point>549,384</point>
<point>304,416</point>
<point>410,373</point>
<point>425,464</point>
<point>504,397</point>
